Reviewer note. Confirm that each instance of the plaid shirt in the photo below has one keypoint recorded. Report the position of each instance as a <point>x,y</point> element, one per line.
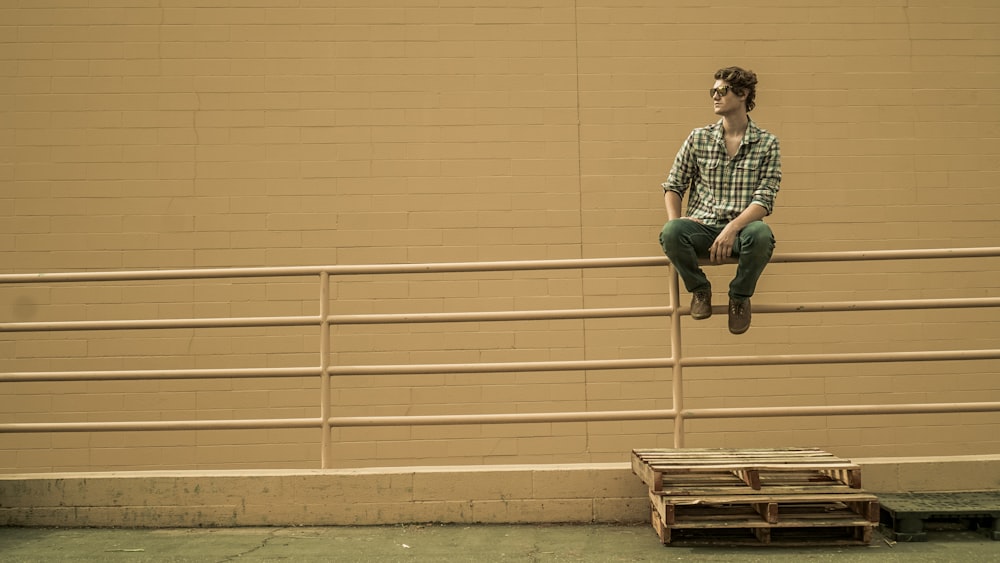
<point>724,187</point>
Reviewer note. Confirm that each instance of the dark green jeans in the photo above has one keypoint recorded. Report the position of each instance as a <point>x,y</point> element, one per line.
<point>685,241</point>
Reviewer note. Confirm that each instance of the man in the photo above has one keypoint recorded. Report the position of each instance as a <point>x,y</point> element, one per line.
<point>731,171</point>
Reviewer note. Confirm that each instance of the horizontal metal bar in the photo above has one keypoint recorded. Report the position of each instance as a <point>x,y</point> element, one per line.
<point>869,255</point>
<point>335,270</point>
<point>636,363</point>
<point>487,316</point>
<point>143,324</point>
<point>153,275</point>
<point>545,417</point>
<point>853,358</point>
<point>517,265</point>
<point>843,410</point>
<point>500,367</point>
<point>627,312</point>
<point>159,374</point>
<point>500,266</point>
<point>161,425</point>
<point>883,305</point>
<point>542,417</point>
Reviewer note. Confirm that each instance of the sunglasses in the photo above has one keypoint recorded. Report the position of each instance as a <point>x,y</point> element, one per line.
<point>721,91</point>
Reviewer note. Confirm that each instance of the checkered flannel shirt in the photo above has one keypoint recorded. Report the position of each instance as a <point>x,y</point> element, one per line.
<point>724,187</point>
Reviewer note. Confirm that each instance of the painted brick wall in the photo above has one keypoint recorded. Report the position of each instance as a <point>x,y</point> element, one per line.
<point>209,133</point>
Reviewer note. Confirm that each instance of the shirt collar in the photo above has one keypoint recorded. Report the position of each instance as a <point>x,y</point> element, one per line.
<point>752,134</point>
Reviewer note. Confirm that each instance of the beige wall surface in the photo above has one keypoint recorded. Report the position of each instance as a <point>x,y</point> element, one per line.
<point>178,134</point>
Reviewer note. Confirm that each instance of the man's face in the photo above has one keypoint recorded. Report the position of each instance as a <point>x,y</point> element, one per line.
<point>728,103</point>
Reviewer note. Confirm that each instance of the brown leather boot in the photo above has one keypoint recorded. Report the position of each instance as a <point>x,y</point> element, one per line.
<point>701,304</point>
<point>739,315</point>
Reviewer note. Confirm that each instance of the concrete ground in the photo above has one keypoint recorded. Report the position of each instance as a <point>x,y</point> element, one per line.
<point>450,543</point>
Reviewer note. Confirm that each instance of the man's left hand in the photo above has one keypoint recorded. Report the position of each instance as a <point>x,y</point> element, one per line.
<point>722,249</point>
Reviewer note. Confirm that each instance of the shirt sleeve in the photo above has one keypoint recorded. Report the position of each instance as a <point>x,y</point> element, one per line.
<point>770,179</point>
<point>684,169</point>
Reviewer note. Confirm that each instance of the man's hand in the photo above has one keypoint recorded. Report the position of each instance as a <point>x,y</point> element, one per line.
<point>722,248</point>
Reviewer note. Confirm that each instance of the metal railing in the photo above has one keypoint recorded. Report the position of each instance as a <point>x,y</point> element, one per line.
<point>324,320</point>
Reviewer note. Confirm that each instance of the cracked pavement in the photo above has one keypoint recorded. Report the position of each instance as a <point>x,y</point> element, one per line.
<point>450,543</point>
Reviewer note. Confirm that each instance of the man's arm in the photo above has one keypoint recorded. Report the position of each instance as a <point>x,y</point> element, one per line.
<point>680,178</point>
<point>672,201</point>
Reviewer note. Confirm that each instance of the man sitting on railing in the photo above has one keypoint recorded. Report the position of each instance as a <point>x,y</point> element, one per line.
<point>733,169</point>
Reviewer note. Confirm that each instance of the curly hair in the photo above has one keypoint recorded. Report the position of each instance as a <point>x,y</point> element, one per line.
<point>742,82</point>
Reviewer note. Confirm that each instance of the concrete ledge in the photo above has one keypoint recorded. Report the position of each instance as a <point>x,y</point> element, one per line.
<point>930,474</point>
<point>576,493</point>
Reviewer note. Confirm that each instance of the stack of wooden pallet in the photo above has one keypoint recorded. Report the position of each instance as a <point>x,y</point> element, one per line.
<point>790,496</point>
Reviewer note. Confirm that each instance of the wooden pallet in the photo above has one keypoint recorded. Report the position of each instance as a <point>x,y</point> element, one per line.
<point>906,516</point>
<point>765,519</point>
<point>803,536</point>
<point>792,496</point>
<point>789,469</point>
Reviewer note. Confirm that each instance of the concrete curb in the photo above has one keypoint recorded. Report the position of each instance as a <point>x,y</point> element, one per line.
<point>577,493</point>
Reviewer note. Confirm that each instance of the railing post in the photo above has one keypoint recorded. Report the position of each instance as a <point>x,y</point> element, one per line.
<point>675,356</point>
<point>324,365</point>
